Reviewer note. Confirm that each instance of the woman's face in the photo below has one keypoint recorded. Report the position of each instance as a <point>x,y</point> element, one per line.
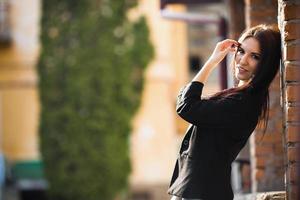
<point>247,58</point>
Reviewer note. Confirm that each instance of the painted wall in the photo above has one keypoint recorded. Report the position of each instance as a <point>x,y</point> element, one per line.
<point>154,140</point>
<point>19,107</point>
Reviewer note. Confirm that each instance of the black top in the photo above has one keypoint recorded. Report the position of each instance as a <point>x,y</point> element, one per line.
<point>219,129</point>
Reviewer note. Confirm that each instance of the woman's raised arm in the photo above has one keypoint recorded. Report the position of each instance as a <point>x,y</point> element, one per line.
<point>221,50</point>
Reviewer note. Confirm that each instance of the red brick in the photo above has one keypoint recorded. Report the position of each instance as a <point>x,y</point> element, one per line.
<point>292,114</point>
<point>270,160</point>
<point>292,72</point>
<point>291,31</point>
<point>252,22</point>
<point>292,93</point>
<point>293,154</point>
<point>291,12</point>
<point>270,20</point>
<point>259,174</point>
<point>272,113</point>
<point>268,138</point>
<point>263,150</point>
<point>292,133</point>
<point>279,127</point>
<point>266,13</point>
<point>278,149</point>
<point>260,161</point>
<point>260,3</point>
<point>293,192</point>
<point>292,52</point>
<point>275,85</point>
<point>252,2</point>
<point>292,174</point>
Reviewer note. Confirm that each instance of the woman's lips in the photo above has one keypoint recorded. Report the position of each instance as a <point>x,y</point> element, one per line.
<point>242,70</point>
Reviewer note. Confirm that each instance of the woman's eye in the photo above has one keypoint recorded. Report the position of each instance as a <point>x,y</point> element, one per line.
<point>256,57</point>
<point>240,50</point>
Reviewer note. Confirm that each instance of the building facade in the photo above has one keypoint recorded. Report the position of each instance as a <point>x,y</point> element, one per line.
<point>180,42</point>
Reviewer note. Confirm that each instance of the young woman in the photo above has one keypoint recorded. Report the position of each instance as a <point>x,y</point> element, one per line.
<point>221,124</point>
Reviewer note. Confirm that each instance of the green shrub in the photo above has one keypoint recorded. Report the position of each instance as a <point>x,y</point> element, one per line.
<point>90,69</point>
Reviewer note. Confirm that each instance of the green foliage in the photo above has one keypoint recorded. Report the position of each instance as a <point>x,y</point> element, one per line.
<point>90,70</point>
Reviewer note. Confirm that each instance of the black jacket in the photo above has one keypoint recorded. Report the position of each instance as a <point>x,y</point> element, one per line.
<point>219,130</point>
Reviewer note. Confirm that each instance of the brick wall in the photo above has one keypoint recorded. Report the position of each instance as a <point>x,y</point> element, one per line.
<point>289,22</point>
<point>236,10</point>
<point>267,154</point>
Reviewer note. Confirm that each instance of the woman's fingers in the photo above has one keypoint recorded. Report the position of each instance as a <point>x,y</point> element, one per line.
<point>231,45</point>
<point>222,49</point>
<point>228,43</point>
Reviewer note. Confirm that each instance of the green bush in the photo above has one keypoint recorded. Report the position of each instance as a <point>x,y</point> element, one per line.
<point>91,76</point>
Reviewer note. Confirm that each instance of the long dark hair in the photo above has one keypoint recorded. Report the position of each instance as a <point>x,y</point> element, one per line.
<point>269,40</point>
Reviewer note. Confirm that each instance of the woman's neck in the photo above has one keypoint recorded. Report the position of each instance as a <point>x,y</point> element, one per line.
<point>241,82</point>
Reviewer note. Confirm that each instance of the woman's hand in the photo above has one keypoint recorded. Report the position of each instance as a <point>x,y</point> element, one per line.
<point>222,49</point>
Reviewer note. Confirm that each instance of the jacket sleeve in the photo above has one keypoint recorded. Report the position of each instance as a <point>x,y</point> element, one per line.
<point>220,112</point>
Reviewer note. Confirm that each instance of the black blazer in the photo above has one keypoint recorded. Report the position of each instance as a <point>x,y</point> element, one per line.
<point>219,130</point>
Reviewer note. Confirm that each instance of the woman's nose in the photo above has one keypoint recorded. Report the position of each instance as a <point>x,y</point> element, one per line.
<point>244,59</point>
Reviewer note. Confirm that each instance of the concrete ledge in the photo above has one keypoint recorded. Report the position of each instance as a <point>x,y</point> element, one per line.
<point>274,195</point>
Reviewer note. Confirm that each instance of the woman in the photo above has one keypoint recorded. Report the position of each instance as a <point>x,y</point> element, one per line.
<point>221,124</point>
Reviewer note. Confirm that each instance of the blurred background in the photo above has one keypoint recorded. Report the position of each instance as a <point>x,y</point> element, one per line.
<point>88,91</point>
